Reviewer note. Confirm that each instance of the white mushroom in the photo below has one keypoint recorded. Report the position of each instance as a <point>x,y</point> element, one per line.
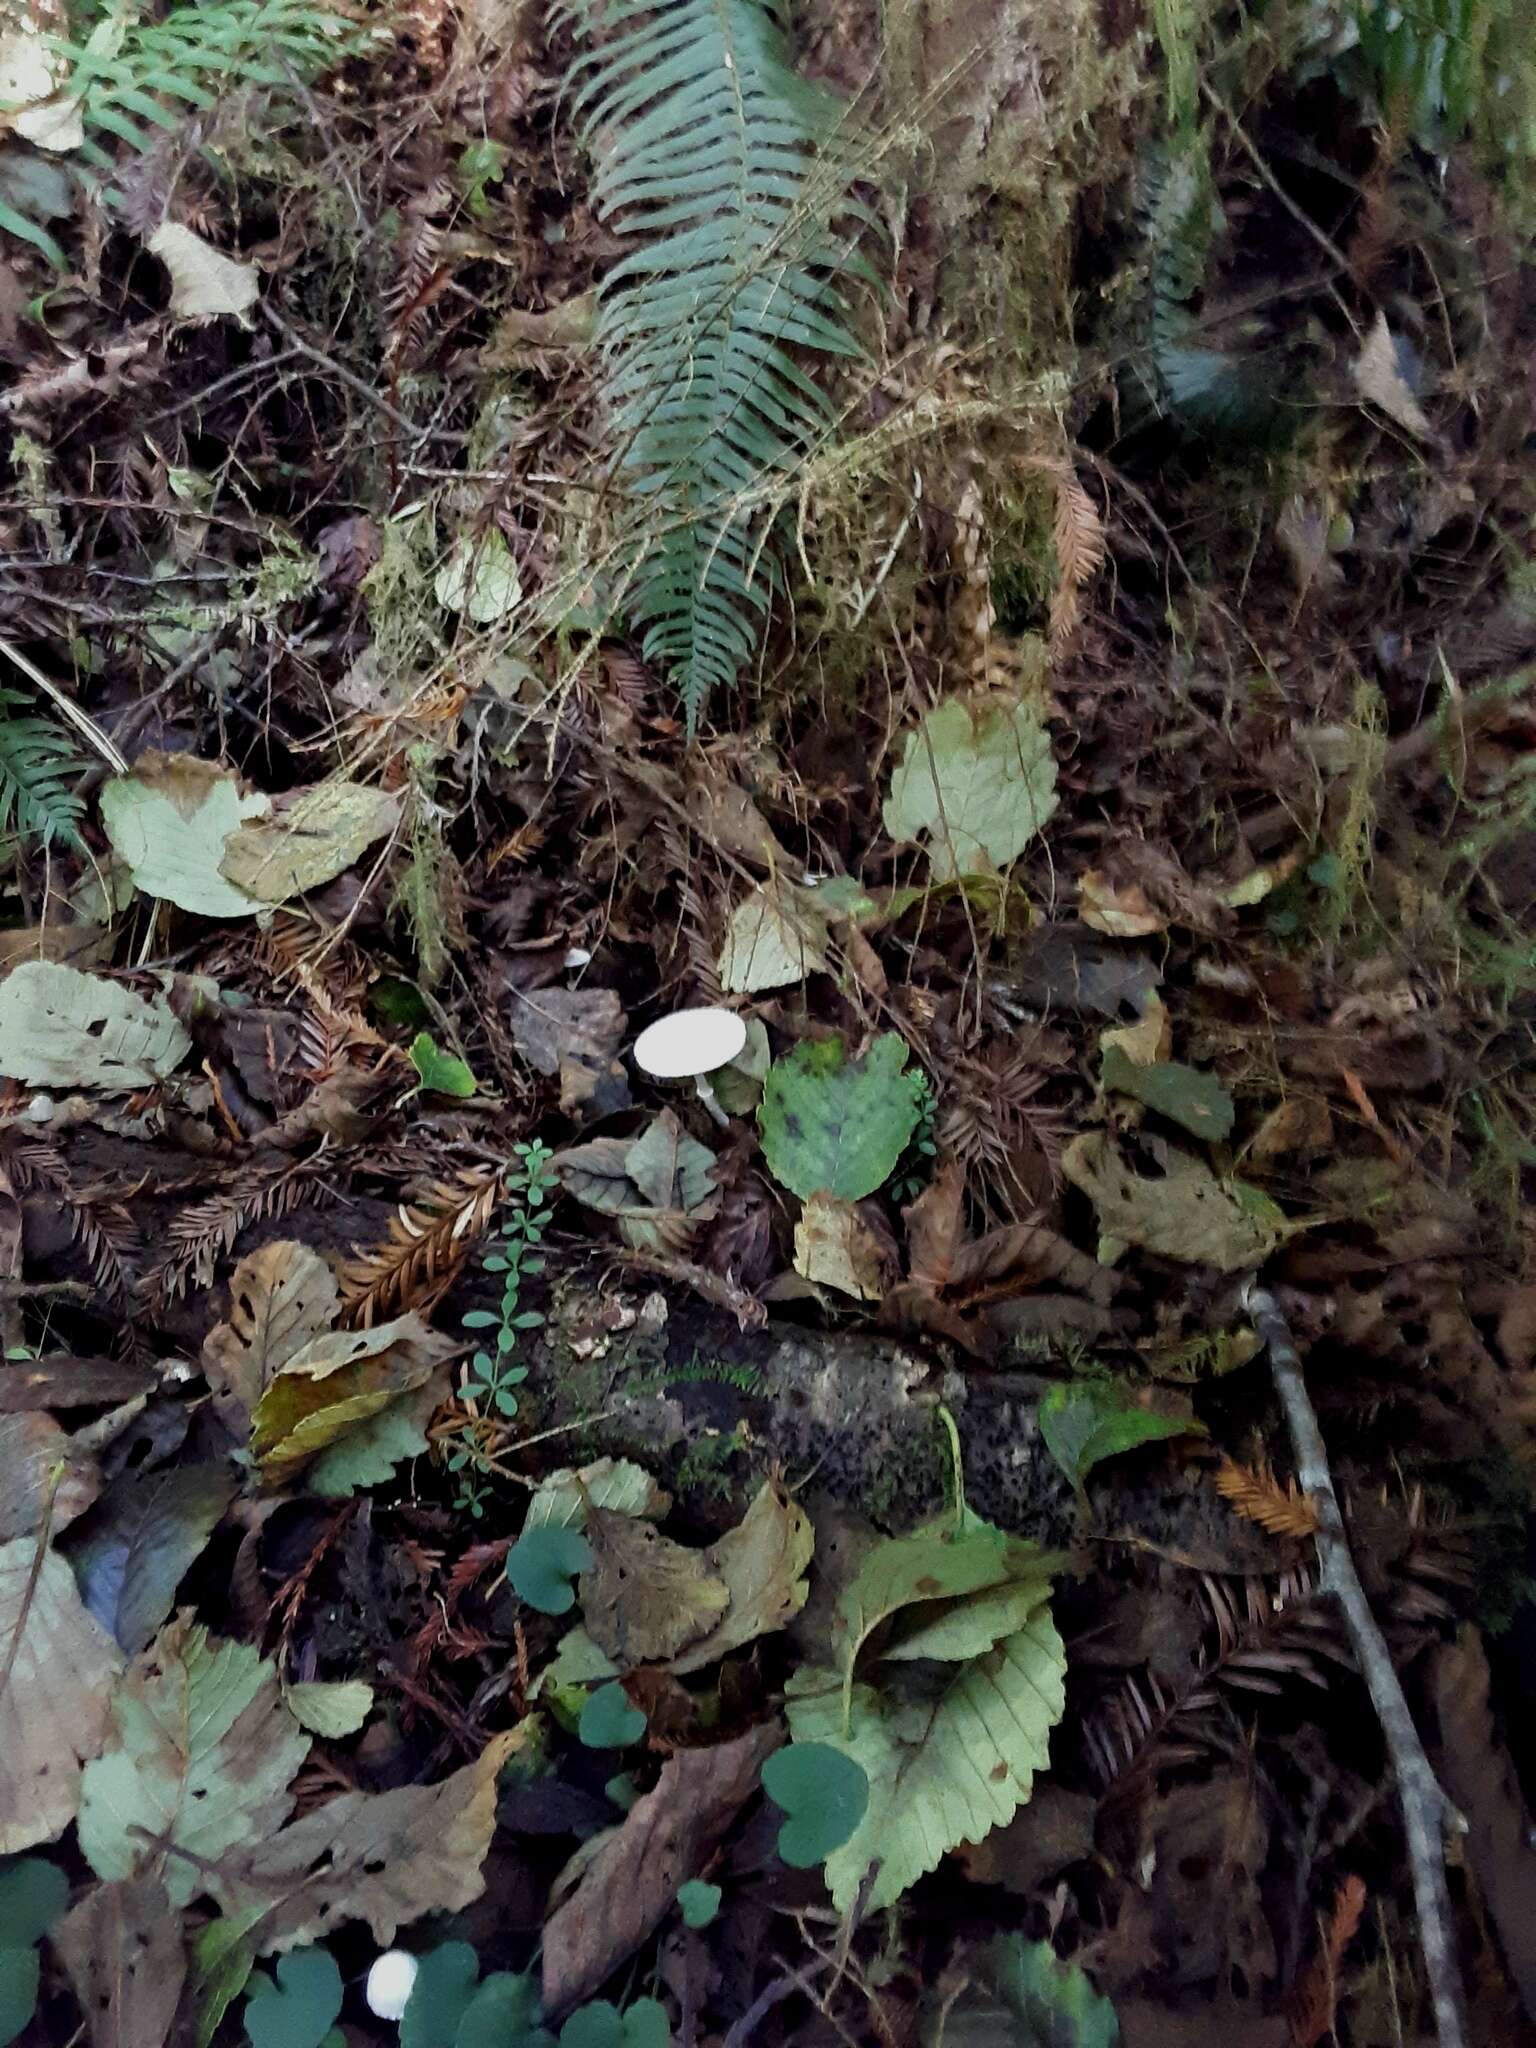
<point>690,1045</point>
<point>390,1983</point>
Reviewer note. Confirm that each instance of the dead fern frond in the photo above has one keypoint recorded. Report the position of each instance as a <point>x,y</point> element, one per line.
<point>1009,1142</point>
<point>692,931</point>
<point>99,1224</point>
<point>420,276</point>
<point>1314,2006</point>
<point>1255,1493</point>
<point>421,1258</point>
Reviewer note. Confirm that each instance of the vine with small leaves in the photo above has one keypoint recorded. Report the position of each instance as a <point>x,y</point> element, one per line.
<point>492,1375</point>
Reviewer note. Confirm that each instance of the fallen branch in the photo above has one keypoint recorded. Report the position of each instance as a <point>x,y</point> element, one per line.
<point>1427,1813</point>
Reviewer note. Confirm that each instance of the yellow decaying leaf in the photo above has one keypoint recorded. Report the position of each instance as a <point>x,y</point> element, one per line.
<point>1148,1040</point>
<point>1379,378</point>
<point>645,1597</point>
<point>835,1247</point>
<point>308,838</point>
<point>281,1298</point>
<point>205,284</point>
<point>1120,913</point>
<point>337,1381</point>
<point>1186,1214</point>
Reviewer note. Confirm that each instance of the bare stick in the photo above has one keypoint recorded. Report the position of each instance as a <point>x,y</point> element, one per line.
<point>1427,1813</point>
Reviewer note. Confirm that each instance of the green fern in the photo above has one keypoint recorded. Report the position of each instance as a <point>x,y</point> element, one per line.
<point>36,759</point>
<point>723,165</point>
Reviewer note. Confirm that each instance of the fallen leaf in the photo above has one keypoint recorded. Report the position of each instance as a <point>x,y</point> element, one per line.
<point>672,1170</point>
<point>60,1666</point>
<point>563,1497</point>
<point>1381,374</point>
<point>479,578</point>
<point>936,1226</point>
<point>307,838</point>
<point>1185,1095</point>
<point>338,1381</point>
<point>975,783</point>
<point>834,1125</point>
<point>775,937</point>
<point>205,284</point>
<point>198,1756</point>
<point>631,1881</point>
<point>1070,967</point>
<point>33,74</point>
<point>122,1950</point>
<point>549,1024</point>
<point>1145,1042</point>
<point>60,1028</point>
<point>835,1247</point>
<point>1186,1214</point>
<point>330,1710</point>
<point>384,1857</point>
<point>45,1478</point>
<point>169,822</point>
<point>644,1597</point>
<point>61,1380</point>
<point>1088,1421</point>
<point>144,1536</point>
<point>280,1299</point>
<point>762,1562</point>
<point>1123,912</point>
<point>1024,1993</point>
<point>1302,1123</point>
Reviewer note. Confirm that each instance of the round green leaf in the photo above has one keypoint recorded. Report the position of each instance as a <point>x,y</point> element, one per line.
<point>33,1894</point>
<point>597,2025</point>
<point>20,1973</point>
<point>608,1721</point>
<point>442,1073</point>
<point>504,2013</point>
<point>699,1902</point>
<point>541,1565</point>
<point>296,2011</point>
<point>446,1982</point>
<point>823,1794</point>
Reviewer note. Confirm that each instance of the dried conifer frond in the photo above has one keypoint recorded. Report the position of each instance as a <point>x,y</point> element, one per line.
<point>1255,1493</point>
<point>101,1227</point>
<point>1009,1142</point>
<point>1315,2003</point>
<point>418,1262</point>
<point>204,1232</point>
<point>691,934</point>
<point>1078,531</point>
<point>420,277</point>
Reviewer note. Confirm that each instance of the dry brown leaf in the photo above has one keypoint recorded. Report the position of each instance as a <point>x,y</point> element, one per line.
<point>935,1225</point>
<point>1380,380</point>
<point>122,1948</point>
<point>1122,911</point>
<point>1302,1123</point>
<point>46,1479</point>
<point>551,1024</point>
<point>630,1882</point>
<point>383,1857</point>
<point>1256,1494</point>
<point>644,1598</point>
<point>60,1380</point>
<point>1022,1256</point>
<point>57,1670</point>
<point>280,1299</point>
<point>835,1247</point>
<point>763,1562</point>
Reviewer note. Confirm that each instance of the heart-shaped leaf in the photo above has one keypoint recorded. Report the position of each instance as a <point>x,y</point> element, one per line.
<point>298,2010</point>
<point>20,1973</point>
<point>608,1721</point>
<point>698,1902</point>
<point>823,1795</point>
<point>447,1979</point>
<point>541,1565</point>
<point>1084,1424</point>
<point>598,2024</point>
<point>441,1072</point>
<point>33,1894</point>
<point>504,2013</point>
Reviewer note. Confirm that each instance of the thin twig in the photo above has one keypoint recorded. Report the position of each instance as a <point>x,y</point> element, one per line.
<point>1427,1813</point>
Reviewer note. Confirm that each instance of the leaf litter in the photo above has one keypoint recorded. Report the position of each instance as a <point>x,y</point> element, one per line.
<point>1082,768</point>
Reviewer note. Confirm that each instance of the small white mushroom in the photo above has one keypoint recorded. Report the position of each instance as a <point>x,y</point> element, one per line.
<point>390,1983</point>
<point>689,1046</point>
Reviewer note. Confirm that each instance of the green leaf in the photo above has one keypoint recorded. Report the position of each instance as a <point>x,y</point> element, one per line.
<point>824,1793</point>
<point>296,2011</point>
<point>541,1565</point>
<point>199,1750</point>
<point>442,1073</point>
<point>698,1902</point>
<point>939,1562</point>
<point>608,1721</point>
<point>1184,1094</point>
<point>446,1981</point>
<point>598,2024</point>
<point>504,2013</point>
<point>140,1540</point>
<point>834,1124</point>
<point>223,1955</point>
<point>1186,1213</point>
<point>976,782</point>
<point>330,1709</point>
<point>20,1975</point>
<point>1027,1999</point>
<point>168,822</point>
<point>33,1894</point>
<point>617,1484</point>
<point>368,1454</point>
<point>1087,1422</point>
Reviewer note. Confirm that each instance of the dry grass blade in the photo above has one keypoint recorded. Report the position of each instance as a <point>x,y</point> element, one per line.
<point>1314,2007</point>
<point>418,1262</point>
<point>1255,1493</point>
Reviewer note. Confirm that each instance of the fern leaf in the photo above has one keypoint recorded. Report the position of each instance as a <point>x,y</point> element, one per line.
<point>420,1259</point>
<point>37,758</point>
<point>722,164</point>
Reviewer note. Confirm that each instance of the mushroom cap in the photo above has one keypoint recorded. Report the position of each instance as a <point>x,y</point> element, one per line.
<point>390,1982</point>
<point>689,1043</point>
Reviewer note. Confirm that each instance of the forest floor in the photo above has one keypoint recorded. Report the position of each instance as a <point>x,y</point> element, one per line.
<point>817,1556</point>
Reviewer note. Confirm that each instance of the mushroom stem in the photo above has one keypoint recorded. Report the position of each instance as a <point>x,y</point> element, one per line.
<point>711,1101</point>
